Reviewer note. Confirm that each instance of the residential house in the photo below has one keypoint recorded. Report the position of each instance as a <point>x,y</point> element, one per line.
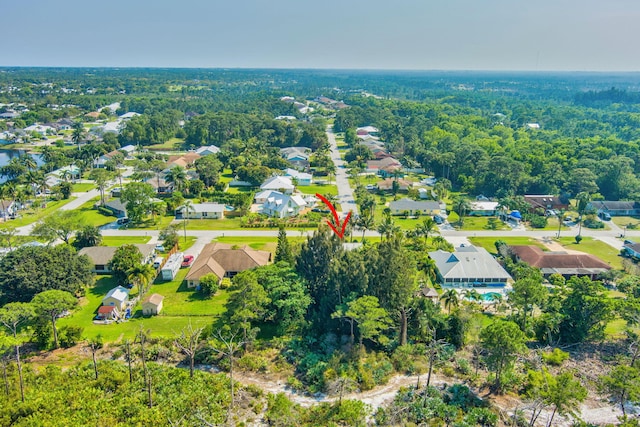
<point>116,206</point>
<point>71,171</point>
<point>278,205</point>
<point>469,266</point>
<point>384,167</point>
<point>128,150</point>
<point>366,130</point>
<point>8,208</point>
<point>428,207</point>
<point>480,208</point>
<point>129,115</point>
<point>631,249</point>
<point>560,262</point>
<point>388,184</point>
<point>40,129</point>
<point>202,211</point>
<point>621,208</point>
<point>207,150</point>
<point>298,157</point>
<point>545,202</point>
<point>93,115</point>
<point>301,178</point>
<point>152,305</point>
<point>117,297</point>
<point>108,312</point>
<point>222,260</point>
<point>100,256</point>
<point>185,161</point>
<point>161,185</point>
<point>282,184</point>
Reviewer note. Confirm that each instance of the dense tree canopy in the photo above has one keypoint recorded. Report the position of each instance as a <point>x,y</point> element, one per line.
<point>33,269</point>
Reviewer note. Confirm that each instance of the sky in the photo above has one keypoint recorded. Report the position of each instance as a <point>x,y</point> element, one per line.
<point>555,35</point>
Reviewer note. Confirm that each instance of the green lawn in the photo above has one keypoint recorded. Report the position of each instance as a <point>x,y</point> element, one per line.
<point>181,306</point>
<point>626,221</point>
<point>186,244</point>
<point>91,216</point>
<point>159,223</point>
<point>259,243</point>
<point>476,222</point>
<point>124,240</point>
<point>324,189</point>
<point>30,216</point>
<point>594,247</point>
<point>172,144</point>
<point>83,187</point>
<point>489,242</point>
<point>552,225</point>
<point>616,329</point>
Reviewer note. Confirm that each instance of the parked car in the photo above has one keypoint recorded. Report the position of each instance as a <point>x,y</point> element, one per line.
<point>187,261</point>
<point>438,219</point>
<point>605,216</point>
<point>122,221</point>
<point>159,247</point>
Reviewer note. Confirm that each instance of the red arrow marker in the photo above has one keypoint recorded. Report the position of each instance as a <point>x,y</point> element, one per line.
<point>340,232</point>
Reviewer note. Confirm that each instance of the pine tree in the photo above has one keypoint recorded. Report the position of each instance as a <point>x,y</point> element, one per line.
<point>283,250</point>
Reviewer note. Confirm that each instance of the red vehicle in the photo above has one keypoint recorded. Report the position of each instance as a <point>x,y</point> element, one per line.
<point>187,261</point>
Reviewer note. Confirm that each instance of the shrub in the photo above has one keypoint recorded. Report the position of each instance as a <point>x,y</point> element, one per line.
<point>555,357</point>
<point>253,363</point>
<point>69,335</point>
<point>538,221</point>
<point>105,211</point>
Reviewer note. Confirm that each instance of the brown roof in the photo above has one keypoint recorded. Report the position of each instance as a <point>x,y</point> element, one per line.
<point>93,114</point>
<point>220,258</point>
<point>535,257</point>
<point>383,163</point>
<point>387,184</point>
<point>105,309</point>
<point>545,201</point>
<point>154,299</point>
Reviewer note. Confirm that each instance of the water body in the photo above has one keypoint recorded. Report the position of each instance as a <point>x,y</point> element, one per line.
<point>7,155</point>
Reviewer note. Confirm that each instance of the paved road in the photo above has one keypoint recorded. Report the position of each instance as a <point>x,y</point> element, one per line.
<point>345,192</point>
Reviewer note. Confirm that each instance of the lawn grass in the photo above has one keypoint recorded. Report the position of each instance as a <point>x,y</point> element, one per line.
<point>594,247</point>
<point>186,244</point>
<point>615,329</point>
<point>235,190</point>
<point>552,225</point>
<point>91,216</point>
<point>181,306</point>
<point>82,187</point>
<point>172,144</point>
<point>324,189</point>
<point>159,224</point>
<point>258,243</point>
<point>29,216</point>
<point>489,242</point>
<point>630,222</point>
<point>479,223</point>
<point>124,240</point>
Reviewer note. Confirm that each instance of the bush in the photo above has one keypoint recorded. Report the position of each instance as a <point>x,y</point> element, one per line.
<point>69,335</point>
<point>593,223</point>
<point>253,363</point>
<point>105,211</point>
<point>538,221</point>
<point>555,357</point>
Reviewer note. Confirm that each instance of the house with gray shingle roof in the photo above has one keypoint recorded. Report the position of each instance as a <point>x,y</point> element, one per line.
<point>427,207</point>
<point>469,266</point>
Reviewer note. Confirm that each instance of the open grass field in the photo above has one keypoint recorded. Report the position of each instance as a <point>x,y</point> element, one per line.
<point>181,306</point>
<point>172,144</point>
<point>472,223</point>
<point>91,216</point>
<point>489,242</point>
<point>159,223</point>
<point>594,247</point>
<point>630,222</point>
<point>29,216</point>
<point>324,189</point>
<point>552,225</point>
<point>82,187</point>
<point>259,243</point>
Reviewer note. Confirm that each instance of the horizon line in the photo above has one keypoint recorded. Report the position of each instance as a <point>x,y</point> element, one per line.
<point>417,70</point>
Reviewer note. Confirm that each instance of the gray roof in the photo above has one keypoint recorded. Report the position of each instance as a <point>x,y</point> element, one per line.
<point>119,293</point>
<point>608,205</point>
<point>204,207</point>
<point>116,204</point>
<point>412,205</point>
<point>468,262</point>
<point>101,255</point>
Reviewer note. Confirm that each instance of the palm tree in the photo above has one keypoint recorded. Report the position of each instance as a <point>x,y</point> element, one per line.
<point>461,206</point>
<point>582,201</point>
<point>366,222</point>
<point>28,162</point>
<point>450,299</point>
<point>187,206</point>
<point>426,227</point>
<point>178,176</point>
<point>78,133</point>
<point>141,275</point>
<point>472,295</point>
<point>388,227</point>
<point>428,265</point>
<point>439,242</point>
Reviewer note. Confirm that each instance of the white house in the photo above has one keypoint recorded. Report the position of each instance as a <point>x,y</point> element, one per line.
<point>302,178</point>
<point>279,183</point>
<point>128,149</point>
<point>117,297</point>
<point>280,205</point>
<point>205,151</point>
<point>41,129</point>
<point>479,208</point>
<point>202,211</point>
